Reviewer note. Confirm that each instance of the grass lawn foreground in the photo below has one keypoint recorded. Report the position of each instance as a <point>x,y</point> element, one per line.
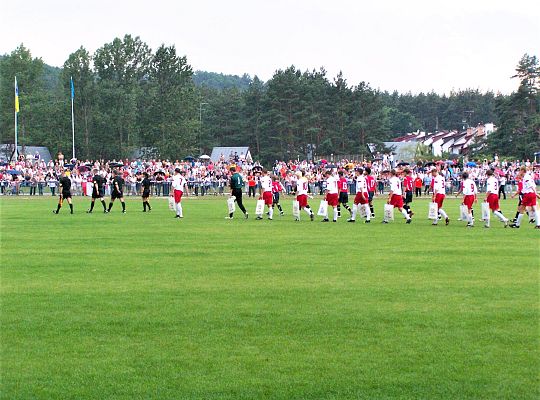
<point>145,306</point>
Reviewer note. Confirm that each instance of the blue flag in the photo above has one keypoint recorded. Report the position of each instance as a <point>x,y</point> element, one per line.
<point>72,87</point>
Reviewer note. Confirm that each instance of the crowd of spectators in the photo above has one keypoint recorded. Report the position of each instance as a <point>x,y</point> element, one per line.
<point>33,176</point>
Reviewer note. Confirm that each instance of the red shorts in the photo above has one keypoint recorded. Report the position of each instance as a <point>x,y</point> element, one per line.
<point>468,200</point>
<point>396,200</point>
<point>332,199</point>
<point>361,198</point>
<point>178,196</point>
<point>302,200</point>
<point>529,200</point>
<point>439,199</point>
<point>493,201</point>
<point>267,197</point>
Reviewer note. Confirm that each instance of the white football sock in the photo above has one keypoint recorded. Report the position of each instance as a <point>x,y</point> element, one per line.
<point>270,212</point>
<point>536,217</point>
<point>443,213</point>
<point>499,215</point>
<point>335,213</point>
<point>405,213</point>
<point>354,211</point>
<point>368,212</point>
<point>179,209</point>
<point>519,218</point>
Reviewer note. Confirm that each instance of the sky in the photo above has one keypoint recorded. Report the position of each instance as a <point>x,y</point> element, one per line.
<point>413,45</point>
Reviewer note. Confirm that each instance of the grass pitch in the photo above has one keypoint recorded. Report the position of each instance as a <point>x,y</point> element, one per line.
<point>146,306</point>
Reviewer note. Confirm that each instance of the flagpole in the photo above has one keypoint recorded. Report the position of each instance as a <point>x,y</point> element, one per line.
<point>72,118</point>
<point>16,152</point>
<point>16,145</point>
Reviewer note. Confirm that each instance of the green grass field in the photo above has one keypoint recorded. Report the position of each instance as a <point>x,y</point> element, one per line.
<point>145,306</point>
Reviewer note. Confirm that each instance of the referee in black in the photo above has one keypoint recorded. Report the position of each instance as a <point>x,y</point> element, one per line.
<point>65,193</point>
<point>117,191</point>
<point>146,192</point>
<point>98,191</point>
<point>237,183</point>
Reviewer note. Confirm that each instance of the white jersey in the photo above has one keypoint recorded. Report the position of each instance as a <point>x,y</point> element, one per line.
<point>332,185</point>
<point>492,185</point>
<point>302,186</point>
<point>528,184</point>
<point>395,186</point>
<point>469,187</point>
<point>266,183</point>
<point>439,185</point>
<point>361,184</point>
<point>178,182</point>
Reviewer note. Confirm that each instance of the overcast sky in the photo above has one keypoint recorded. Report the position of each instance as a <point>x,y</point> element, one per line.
<point>404,45</point>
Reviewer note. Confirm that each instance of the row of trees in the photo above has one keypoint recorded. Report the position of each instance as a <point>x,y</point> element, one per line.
<point>128,97</point>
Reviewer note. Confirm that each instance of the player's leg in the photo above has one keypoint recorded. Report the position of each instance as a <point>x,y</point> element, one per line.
<point>92,202</point>
<point>470,218</point>
<point>335,214</point>
<point>270,211</point>
<point>70,205</point>
<point>354,211</point>
<point>240,203</point>
<point>346,206</point>
<point>103,204</point>
<point>368,213</point>
<point>111,202</point>
<point>403,211</point>
<point>59,205</point>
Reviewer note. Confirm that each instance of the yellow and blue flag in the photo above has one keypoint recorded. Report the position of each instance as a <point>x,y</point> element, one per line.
<point>16,96</point>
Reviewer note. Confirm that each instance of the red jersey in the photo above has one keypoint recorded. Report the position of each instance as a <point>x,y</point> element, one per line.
<point>277,187</point>
<point>342,185</point>
<point>408,184</point>
<point>418,182</point>
<point>520,186</point>
<point>370,181</point>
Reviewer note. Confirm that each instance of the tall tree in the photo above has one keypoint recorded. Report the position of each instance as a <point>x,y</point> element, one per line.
<point>518,133</point>
<point>120,66</point>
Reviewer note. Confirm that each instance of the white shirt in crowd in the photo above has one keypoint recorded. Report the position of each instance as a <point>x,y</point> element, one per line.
<point>492,185</point>
<point>469,187</point>
<point>178,182</point>
<point>332,184</point>
<point>266,183</point>
<point>395,186</point>
<point>439,185</point>
<point>302,186</point>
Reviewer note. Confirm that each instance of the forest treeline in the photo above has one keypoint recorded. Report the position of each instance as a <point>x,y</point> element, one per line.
<point>130,97</point>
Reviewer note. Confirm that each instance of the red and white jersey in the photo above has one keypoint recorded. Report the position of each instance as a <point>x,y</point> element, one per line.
<point>469,187</point>
<point>178,182</point>
<point>492,185</point>
<point>395,186</point>
<point>370,182</point>
<point>266,183</point>
<point>439,185</point>
<point>302,186</point>
<point>277,187</point>
<point>332,184</point>
<point>361,184</point>
<point>342,185</point>
<point>408,183</point>
<point>528,184</point>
